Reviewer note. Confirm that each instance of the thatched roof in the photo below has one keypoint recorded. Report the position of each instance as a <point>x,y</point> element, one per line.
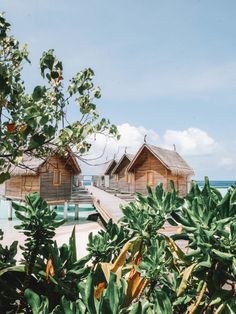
<point>169,158</point>
<point>30,165</point>
<point>129,158</point>
<point>109,166</point>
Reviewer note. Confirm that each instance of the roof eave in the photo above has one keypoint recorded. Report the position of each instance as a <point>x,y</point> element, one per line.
<point>182,171</point>
<point>107,172</point>
<point>114,171</point>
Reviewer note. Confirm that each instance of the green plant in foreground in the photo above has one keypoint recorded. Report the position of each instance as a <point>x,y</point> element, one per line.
<point>128,270</point>
<point>209,225</point>
<point>106,245</point>
<point>148,214</point>
<point>7,254</point>
<point>68,271</point>
<point>38,223</point>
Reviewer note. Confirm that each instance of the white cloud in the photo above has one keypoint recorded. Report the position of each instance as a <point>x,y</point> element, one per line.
<point>192,141</point>
<point>132,138</point>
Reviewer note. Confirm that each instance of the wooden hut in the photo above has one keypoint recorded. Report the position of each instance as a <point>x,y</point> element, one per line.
<point>52,177</point>
<point>122,177</point>
<point>153,165</point>
<point>109,179</point>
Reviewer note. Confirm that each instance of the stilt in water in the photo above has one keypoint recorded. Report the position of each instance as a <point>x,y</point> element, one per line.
<point>66,210</point>
<point>10,211</point>
<point>76,211</point>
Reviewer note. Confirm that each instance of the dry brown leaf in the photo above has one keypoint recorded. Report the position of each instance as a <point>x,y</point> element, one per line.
<point>49,270</point>
<point>100,288</point>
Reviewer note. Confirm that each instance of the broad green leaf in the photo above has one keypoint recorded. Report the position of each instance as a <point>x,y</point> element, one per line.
<point>33,300</point>
<point>136,308</point>
<point>184,283</point>
<point>89,294</point>
<point>4,176</point>
<point>223,255</point>
<point>72,242</point>
<point>20,269</point>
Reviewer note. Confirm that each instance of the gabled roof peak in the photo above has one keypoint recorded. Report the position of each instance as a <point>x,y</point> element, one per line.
<point>128,156</point>
<point>169,158</point>
<point>109,166</point>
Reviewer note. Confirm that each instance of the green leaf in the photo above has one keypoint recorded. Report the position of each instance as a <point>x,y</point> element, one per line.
<point>20,269</point>
<point>37,140</point>
<point>89,294</point>
<point>72,242</point>
<point>111,297</point>
<point>164,302</point>
<point>136,308</point>
<point>38,92</point>
<point>233,198</point>
<point>4,176</point>
<point>67,306</point>
<point>184,283</point>
<point>172,222</point>
<point>206,263</point>
<point>223,255</point>
<point>33,300</point>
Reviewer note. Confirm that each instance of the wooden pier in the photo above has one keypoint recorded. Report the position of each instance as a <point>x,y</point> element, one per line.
<point>108,205</point>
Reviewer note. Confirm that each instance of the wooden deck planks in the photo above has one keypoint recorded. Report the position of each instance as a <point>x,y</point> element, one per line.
<point>107,203</point>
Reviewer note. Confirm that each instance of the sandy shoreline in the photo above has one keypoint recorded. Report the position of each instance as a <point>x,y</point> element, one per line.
<point>83,229</point>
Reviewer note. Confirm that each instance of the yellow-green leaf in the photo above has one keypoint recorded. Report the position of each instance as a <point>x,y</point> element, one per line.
<point>184,283</point>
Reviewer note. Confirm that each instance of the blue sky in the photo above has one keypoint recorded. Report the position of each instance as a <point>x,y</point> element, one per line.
<point>166,66</point>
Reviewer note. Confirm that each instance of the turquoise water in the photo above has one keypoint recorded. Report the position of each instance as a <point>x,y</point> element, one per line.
<point>222,186</point>
<point>84,212</point>
<point>87,182</point>
<point>219,184</point>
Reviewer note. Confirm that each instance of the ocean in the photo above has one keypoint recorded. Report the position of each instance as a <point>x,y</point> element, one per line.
<point>218,184</point>
<point>222,186</point>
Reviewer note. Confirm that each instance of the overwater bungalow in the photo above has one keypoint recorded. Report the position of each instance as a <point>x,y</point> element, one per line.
<point>109,178</point>
<point>121,176</point>
<point>52,177</point>
<point>154,165</point>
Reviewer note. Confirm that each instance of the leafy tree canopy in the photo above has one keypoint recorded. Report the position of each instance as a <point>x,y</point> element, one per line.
<point>30,121</point>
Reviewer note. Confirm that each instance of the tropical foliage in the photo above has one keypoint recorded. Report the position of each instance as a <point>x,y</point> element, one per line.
<point>131,268</point>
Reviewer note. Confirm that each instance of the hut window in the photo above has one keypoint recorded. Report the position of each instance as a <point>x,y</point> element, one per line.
<point>150,178</point>
<point>128,177</point>
<point>56,177</point>
<point>116,177</point>
<point>28,184</point>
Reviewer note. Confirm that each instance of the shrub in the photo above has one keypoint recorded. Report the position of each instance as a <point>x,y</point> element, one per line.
<point>130,268</point>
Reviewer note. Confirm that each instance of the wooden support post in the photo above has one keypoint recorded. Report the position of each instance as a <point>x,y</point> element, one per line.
<point>10,211</point>
<point>66,210</point>
<point>76,211</point>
